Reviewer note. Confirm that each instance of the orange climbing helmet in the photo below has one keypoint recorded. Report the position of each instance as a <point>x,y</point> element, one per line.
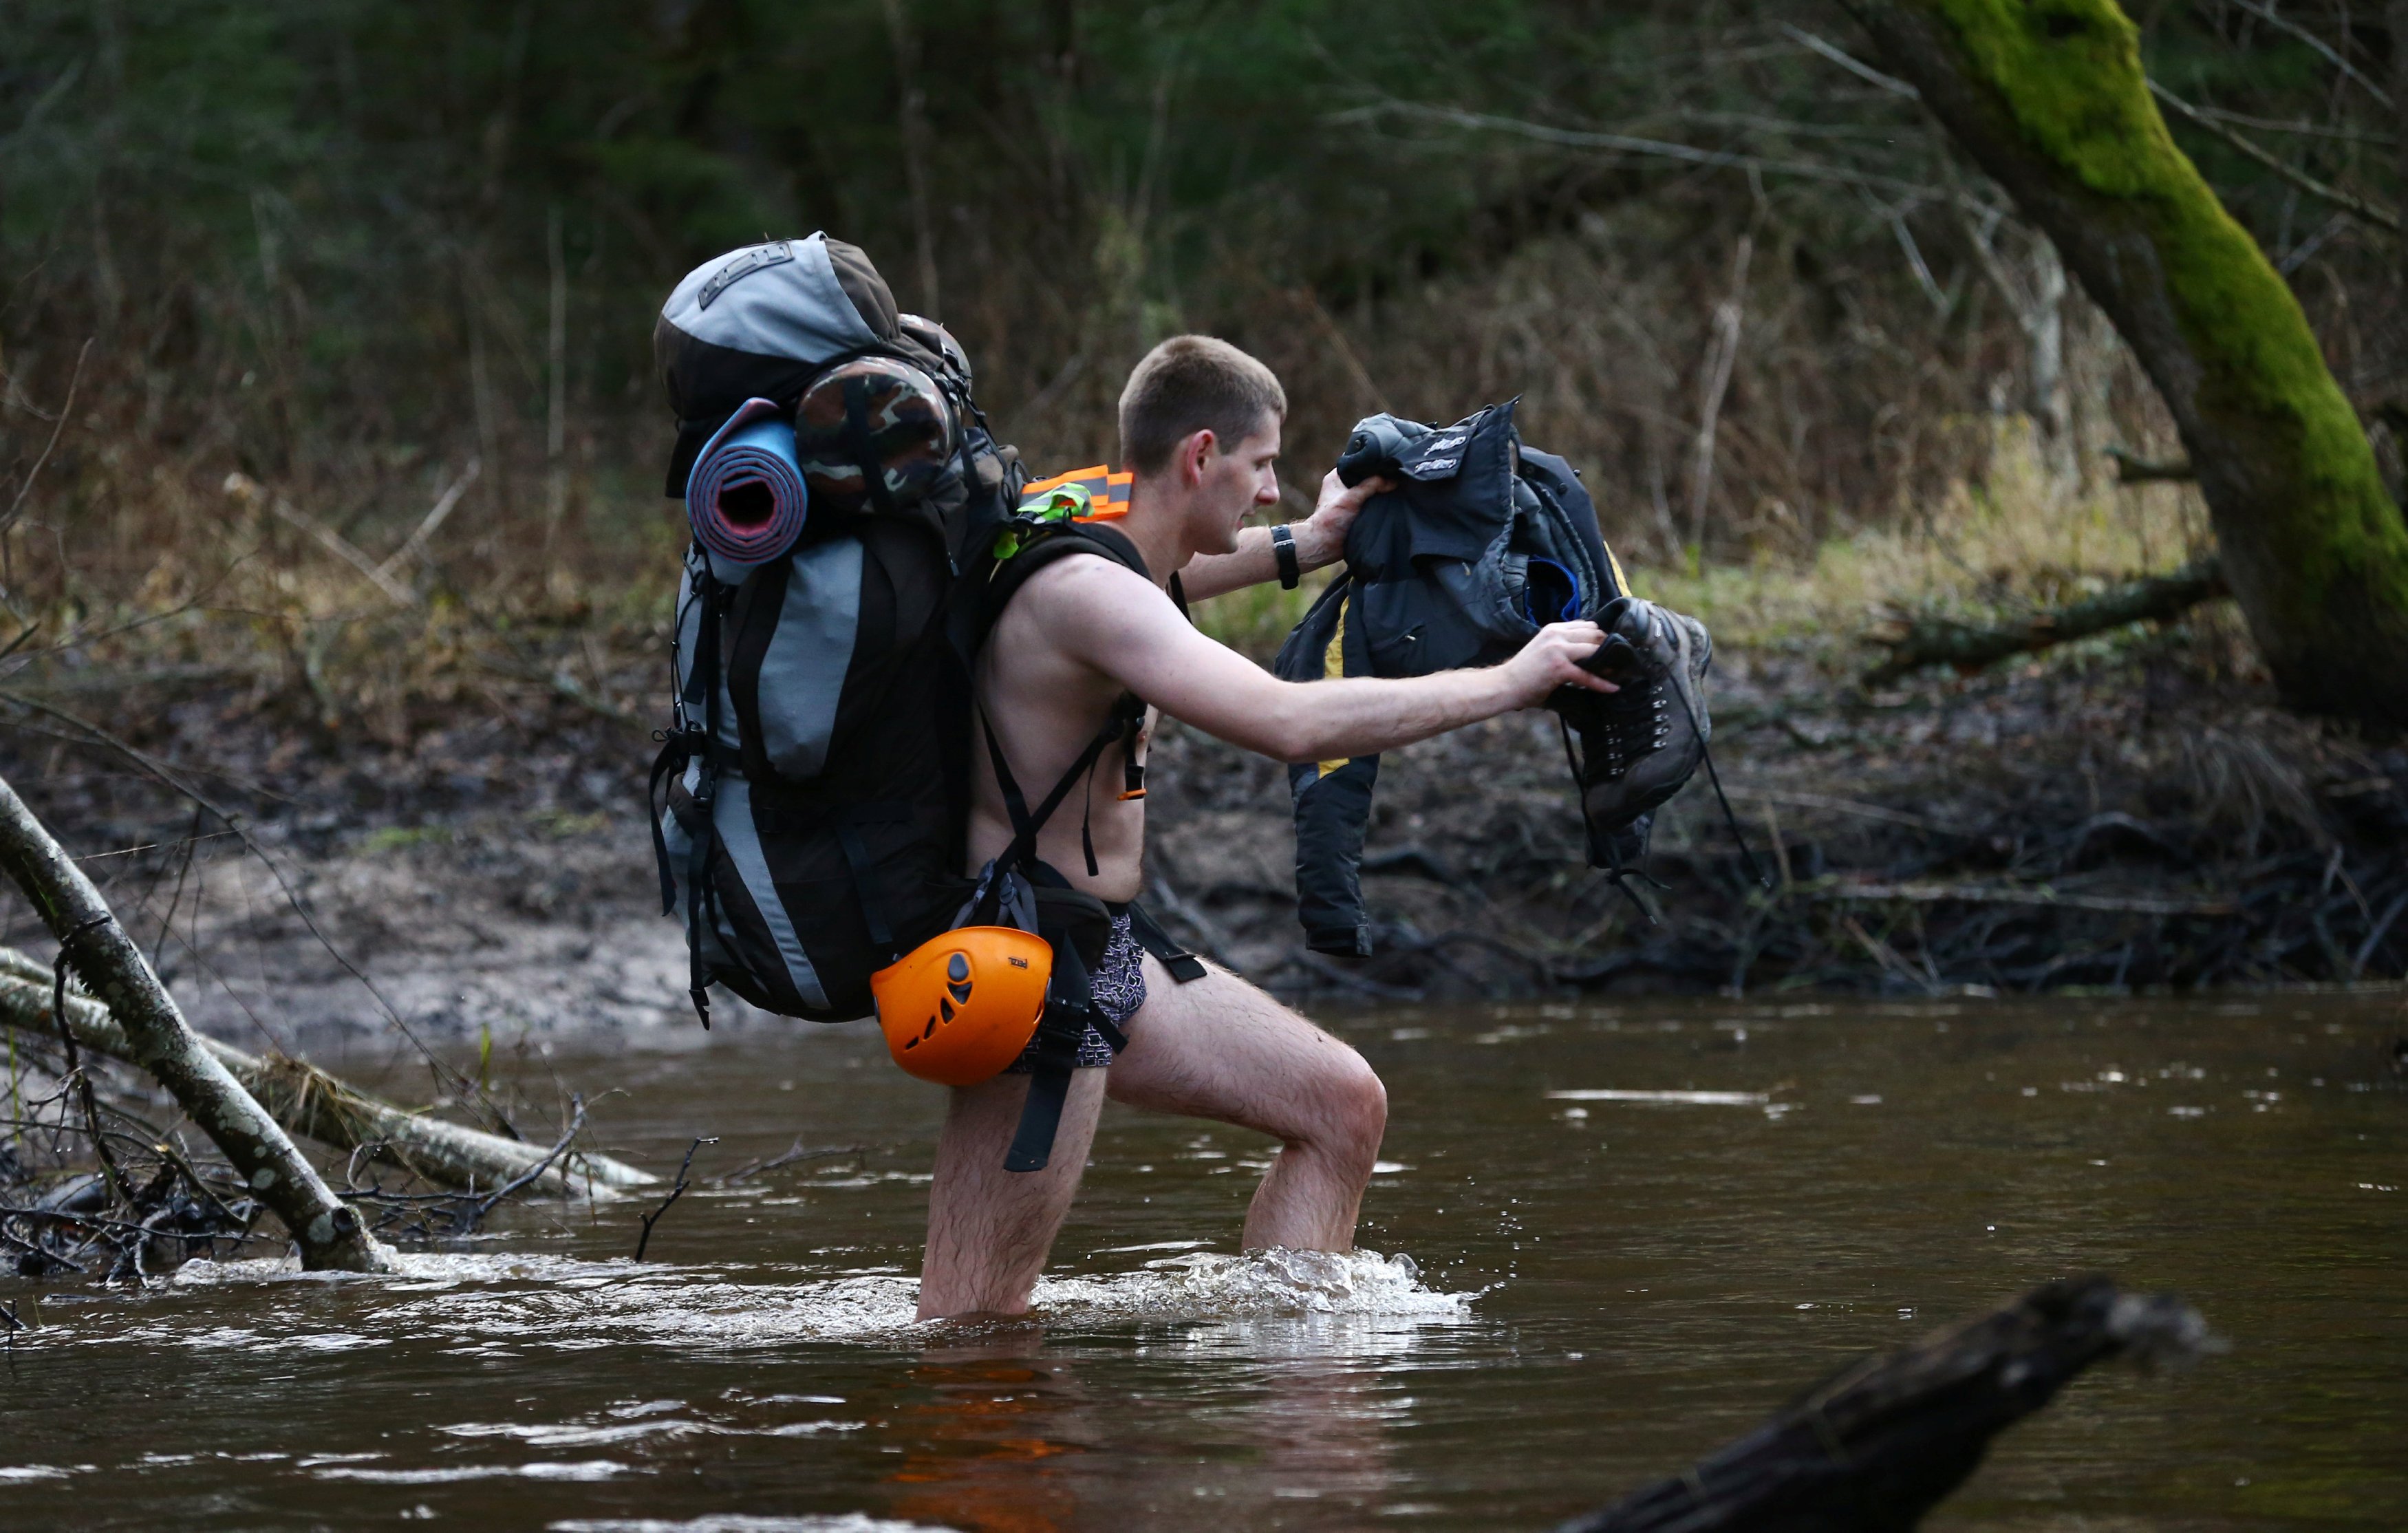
<point>963,1004</point>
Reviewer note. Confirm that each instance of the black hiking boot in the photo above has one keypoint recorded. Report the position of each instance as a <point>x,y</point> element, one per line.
<point>1640,744</point>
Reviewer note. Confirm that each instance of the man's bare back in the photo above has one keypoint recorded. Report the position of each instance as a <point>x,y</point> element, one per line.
<point>1045,705</point>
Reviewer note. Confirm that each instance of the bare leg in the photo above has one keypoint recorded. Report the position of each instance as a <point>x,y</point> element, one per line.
<point>1219,1048</point>
<point>989,1229</point>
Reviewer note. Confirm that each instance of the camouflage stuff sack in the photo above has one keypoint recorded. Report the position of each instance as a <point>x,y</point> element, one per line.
<point>874,435</point>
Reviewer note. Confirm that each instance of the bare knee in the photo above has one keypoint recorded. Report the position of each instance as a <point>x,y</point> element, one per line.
<point>1353,1115</point>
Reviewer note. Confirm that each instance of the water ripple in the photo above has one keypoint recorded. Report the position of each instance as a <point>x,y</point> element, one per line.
<point>492,1303</point>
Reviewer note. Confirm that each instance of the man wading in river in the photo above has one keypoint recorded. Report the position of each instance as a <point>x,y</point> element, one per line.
<point>1199,424</point>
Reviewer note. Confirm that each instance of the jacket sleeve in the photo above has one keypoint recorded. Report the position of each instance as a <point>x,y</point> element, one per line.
<point>1333,798</point>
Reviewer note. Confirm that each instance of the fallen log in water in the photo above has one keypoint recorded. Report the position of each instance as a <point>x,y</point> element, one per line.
<point>307,1100</point>
<point>1914,644</point>
<point>328,1231</point>
<point>1879,1444</point>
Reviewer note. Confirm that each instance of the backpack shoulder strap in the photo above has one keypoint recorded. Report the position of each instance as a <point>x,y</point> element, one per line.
<point>1050,545</point>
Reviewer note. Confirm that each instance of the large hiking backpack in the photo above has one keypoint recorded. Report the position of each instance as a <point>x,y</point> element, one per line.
<point>809,805</point>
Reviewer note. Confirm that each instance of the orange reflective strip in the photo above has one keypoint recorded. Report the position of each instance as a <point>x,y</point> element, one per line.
<point>1108,492</point>
<point>1112,496</point>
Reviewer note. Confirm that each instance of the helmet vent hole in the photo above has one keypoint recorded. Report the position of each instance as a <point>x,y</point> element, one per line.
<point>928,1031</point>
<point>960,993</point>
<point>944,1008</point>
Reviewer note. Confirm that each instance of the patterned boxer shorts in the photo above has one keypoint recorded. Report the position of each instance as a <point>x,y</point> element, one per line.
<point>1118,986</point>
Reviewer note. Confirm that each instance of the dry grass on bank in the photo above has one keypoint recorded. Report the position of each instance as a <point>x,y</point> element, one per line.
<point>2011,543</point>
<point>245,531</point>
<point>250,595</point>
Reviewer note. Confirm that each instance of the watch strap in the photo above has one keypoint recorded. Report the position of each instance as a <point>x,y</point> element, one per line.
<point>1283,550</point>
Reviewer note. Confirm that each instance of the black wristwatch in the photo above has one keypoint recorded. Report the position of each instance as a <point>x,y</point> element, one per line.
<point>1283,550</point>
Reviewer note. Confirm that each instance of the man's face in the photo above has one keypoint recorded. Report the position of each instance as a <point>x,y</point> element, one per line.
<point>1236,480</point>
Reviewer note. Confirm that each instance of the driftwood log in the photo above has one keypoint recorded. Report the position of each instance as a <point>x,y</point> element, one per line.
<point>329,1233</point>
<point>1914,644</point>
<point>307,1101</point>
<point>1878,1445</point>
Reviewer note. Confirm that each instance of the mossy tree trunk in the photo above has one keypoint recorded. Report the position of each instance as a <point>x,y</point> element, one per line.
<point>2049,98</point>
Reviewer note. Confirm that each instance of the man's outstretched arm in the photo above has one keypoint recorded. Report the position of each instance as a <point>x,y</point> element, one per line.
<point>1110,618</point>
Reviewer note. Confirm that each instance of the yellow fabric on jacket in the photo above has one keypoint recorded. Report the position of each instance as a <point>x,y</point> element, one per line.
<point>1333,663</point>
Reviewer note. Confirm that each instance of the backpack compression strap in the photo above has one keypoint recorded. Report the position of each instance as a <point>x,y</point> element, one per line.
<point>695,742</point>
<point>1069,998</point>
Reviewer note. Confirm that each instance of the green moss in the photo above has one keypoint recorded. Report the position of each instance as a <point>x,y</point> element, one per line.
<point>2070,73</point>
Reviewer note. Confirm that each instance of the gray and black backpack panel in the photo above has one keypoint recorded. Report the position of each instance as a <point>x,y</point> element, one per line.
<point>833,831</point>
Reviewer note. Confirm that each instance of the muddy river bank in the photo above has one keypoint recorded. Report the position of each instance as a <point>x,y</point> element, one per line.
<point>2118,824</point>
<point>1577,1292</point>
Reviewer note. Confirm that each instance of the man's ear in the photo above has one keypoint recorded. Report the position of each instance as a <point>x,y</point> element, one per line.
<point>1195,452</point>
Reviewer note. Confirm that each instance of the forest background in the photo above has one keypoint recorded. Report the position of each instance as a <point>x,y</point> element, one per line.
<point>346,251</point>
<point>328,420</point>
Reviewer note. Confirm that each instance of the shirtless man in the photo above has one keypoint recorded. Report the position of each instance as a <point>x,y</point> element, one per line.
<point>1199,424</point>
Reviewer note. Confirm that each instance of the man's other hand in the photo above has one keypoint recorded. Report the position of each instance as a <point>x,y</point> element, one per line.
<point>1553,659</point>
<point>1321,538</point>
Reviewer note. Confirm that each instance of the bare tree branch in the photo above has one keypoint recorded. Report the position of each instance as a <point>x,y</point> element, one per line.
<point>1629,143</point>
<point>2282,23</point>
<point>1854,66</point>
<point>60,424</point>
<point>2382,217</point>
<point>310,1102</point>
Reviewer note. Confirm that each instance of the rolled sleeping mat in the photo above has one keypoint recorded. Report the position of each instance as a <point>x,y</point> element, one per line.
<point>746,500</point>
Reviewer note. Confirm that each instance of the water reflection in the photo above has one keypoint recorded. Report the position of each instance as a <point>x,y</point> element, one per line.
<point>983,1428</point>
<point>998,1436</point>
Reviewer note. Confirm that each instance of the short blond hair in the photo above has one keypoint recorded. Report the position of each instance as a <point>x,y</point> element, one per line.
<point>1192,384</point>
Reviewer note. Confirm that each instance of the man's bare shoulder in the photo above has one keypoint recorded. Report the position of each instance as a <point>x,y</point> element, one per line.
<point>1092,587</point>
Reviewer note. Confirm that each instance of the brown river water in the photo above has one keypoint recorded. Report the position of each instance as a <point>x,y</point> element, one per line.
<point>1577,1295</point>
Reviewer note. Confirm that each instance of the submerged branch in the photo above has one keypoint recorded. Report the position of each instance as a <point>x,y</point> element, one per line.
<point>330,1235</point>
<point>1879,1444</point>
